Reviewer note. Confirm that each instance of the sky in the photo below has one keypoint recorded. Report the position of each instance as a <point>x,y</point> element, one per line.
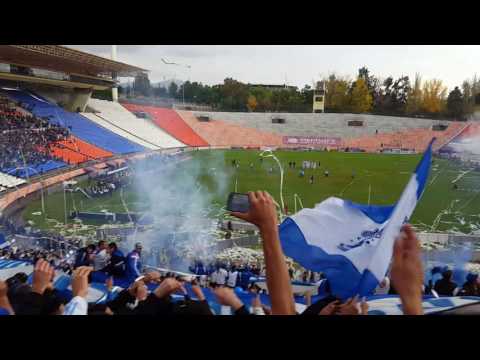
<point>297,64</point>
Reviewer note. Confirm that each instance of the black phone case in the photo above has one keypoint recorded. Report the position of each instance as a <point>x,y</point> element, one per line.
<point>229,202</point>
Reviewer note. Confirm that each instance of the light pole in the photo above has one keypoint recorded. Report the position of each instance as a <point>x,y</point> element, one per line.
<point>114,75</point>
<point>183,85</point>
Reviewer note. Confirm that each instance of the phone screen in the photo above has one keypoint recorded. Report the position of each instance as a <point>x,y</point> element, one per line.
<point>238,202</point>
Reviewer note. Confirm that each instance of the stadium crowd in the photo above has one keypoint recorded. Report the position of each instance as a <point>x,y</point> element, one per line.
<point>154,293</point>
<point>26,139</point>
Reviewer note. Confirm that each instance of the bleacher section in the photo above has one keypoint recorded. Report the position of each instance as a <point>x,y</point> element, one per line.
<point>169,121</point>
<point>117,119</point>
<point>34,170</point>
<point>411,139</point>
<point>80,126</point>
<point>466,145</point>
<point>75,151</point>
<point>331,125</point>
<point>220,133</point>
<point>8,182</point>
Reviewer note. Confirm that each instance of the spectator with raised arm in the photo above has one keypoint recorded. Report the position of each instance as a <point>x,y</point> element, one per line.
<point>263,213</point>
<point>5,307</point>
<point>78,305</point>
<point>407,271</point>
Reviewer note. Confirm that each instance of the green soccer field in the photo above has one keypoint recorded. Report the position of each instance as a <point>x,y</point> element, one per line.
<point>378,179</point>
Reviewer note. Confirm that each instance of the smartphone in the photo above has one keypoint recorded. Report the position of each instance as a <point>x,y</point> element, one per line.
<point>238,202</point>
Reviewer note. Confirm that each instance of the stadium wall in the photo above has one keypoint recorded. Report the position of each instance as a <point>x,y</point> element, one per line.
<point>322,124</point>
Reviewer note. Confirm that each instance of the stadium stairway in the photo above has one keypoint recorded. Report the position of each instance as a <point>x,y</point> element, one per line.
<point>169,121</point>
<point>116,118</point>
<point>220,133</point>
<point>80,126</point>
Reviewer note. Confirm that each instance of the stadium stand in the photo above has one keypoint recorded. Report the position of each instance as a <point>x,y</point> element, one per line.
<point>75,151</point>
<point>80,126</point>
<point>220,133</point>
<point>411,139</point>
<point>325,124</point>
<point>170,122</point>
<point>116,118</point>
<point>8,181</point>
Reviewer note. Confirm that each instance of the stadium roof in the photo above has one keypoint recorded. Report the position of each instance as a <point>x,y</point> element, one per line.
<point>64,59</point>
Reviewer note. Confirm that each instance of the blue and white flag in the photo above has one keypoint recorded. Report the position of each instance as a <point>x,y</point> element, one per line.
<point>352,244</point>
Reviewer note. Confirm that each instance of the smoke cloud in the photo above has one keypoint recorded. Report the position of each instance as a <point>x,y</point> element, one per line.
<point>184,216</point>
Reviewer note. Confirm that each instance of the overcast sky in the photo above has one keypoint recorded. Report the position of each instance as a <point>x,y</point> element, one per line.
<point>299,64</point>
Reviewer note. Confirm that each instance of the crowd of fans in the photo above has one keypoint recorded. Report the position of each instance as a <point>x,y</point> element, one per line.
<point>153,293</point>
<point>26,139</point>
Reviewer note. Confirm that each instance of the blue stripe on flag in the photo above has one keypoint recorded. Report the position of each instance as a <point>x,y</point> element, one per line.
<point>378,213</point>
<point>423,169</point>
<point>344,278</point>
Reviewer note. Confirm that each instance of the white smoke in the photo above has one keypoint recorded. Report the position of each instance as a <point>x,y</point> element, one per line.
<point>184,216</point>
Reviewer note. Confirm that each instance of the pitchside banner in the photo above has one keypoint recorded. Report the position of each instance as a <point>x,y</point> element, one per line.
<point>312,140</point>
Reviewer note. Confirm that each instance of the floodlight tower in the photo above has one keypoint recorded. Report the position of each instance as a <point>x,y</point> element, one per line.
<point>114,75</point>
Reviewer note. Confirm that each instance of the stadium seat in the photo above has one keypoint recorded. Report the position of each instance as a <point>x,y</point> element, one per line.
<point>170,122</point>
<point>75,151</point>
<point>9,181</point>
<point>321,124</point>
<point>80,126</point>
<point>116,118</point>
<point>33,170</point>
<point>220,133</point>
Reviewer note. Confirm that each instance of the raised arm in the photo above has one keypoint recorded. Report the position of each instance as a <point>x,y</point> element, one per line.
<point>263,214</point>
<point>407,271</point>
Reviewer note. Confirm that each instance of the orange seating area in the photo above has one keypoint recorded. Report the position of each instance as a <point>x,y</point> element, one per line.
<point>74,151</point>
<point>412,139</point>
<point>169,121</point>
<point>220,133</point>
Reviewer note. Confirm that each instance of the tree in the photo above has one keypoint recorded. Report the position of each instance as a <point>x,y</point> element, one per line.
<point>455,104</point>
<point>172,90</point>
<point>141,85</point>
<point>373,83</point>
<point>159,91</point>
<point>252,103</point>
<point>337,97</point>
<point>433,99</point>
<point>361,99</point>
<point>414,98</point>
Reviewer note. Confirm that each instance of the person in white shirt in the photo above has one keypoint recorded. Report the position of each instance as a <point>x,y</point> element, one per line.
<point>232,277</point>
<point>100,260</point>
<point>219,276</point>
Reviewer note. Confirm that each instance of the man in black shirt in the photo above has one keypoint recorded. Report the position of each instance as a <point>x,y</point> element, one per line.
<point>445,286</point>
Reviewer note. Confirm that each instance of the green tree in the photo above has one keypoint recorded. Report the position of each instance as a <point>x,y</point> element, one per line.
<point>173,90</point>
<point>141,85</point>
<point>455,104</point>
<point>414,98</point>
<point>160,91</point>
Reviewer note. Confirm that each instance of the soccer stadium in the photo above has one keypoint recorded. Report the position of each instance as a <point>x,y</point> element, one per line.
<point>121,204</point>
